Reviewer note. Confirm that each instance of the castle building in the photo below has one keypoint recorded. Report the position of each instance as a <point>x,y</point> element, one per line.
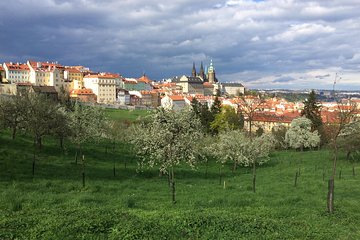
<point>198,83</point>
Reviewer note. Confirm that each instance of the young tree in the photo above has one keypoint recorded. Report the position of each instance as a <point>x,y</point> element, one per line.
<point>116,133</point>
<point>203,113</point>
<point>349,141</point>
<point>345,115</point>
<point>299,135</point>
<point>235,147</point>
<point>166,140</point>
<point>312,111</point>
<point>13,112</point>
<point>279,133</point>
<point>258,152</point>
<point>216,106</point>
<point>86,123</point>
<point>205,150</point>
<point>248,106</point>
<point>227,119</point>
<point>41,117</point>
<point>40,120</point>
<point>61,129</point>
<point>230,147</point>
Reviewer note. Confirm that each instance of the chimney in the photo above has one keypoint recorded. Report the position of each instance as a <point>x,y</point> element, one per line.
<point>38,64</point>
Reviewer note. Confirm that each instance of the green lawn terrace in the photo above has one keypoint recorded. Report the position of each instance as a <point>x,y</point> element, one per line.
<point>137,204</point>
<point>125,115</point>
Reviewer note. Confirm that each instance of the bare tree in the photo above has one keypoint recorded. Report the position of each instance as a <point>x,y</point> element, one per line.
<point>345,114</point>
<point>249,106</point>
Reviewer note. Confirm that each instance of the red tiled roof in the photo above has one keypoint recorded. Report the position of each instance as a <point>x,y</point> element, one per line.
<point>17,66</point>
<point>107,75</point>
<point>72,70</point>
<point>84,91</point>
<point>144,79</point>
<point>208,85</point>
<point>177,98</point>
<point>284,118</point>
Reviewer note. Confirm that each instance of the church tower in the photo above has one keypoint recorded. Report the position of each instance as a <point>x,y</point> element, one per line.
<point>193,72</point>
<point>211,73</point>
<point>202,73</point>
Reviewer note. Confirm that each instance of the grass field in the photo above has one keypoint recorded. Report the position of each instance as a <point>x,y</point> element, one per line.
<point>125,115</point>
<point>137,205</point>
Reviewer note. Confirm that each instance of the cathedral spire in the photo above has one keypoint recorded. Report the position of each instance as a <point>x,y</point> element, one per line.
<point>202,72</point>
<point>193,72</point>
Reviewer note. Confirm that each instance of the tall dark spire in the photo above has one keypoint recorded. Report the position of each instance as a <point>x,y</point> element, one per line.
<point>202,72</point>
<point>193,72</point>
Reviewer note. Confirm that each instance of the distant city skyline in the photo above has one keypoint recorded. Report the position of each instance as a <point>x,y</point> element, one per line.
<point>288,44</point>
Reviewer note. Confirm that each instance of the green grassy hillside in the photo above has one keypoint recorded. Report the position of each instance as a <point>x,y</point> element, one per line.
<point>125,115</point>
<point>137,205</point>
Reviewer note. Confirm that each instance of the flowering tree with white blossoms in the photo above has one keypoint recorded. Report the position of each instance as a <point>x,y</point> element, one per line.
<point>166,139</point>
<point>233,146</point>
<point>299,135</point>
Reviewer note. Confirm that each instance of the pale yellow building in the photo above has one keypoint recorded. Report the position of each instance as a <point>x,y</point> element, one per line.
<point>103,85</point>
<point>75,77</point>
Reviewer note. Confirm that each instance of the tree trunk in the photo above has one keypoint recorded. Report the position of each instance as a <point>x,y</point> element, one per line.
<point>340,174</point>
<point>235,166</point>
<point>83,170</point>
<point>14,133</point>
<point>33,165</point>
<point>331,183</point>
<point>296,177</point>
<point>330,197</point>
<point>61,139</point>
<point>348,155</point>
<point>39,142</point>
<point>353,170</point>
<point>254,176</point>
<point>173,185</point>
<point>206,168</point>
<point>220,174</point>
<point>76,155</point>
<point>114,169</point>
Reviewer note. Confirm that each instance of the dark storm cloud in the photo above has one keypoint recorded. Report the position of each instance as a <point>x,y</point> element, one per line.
<point>249,41</point>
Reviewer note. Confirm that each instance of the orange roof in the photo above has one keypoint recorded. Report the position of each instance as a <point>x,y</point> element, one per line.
<point>72,70</point>
<point>84,91</point>
<point>208,85</point>
<point>1,68</point>
<point>177,98</point>
<point>17,66</point>
<point>106,75</point>
<point>266,117</point>
<point>144,79</point>
<point>45,66</point>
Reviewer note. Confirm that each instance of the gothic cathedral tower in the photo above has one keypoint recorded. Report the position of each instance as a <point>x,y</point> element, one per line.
<point>193,72</point>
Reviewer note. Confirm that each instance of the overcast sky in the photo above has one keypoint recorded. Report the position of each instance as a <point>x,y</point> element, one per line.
<point>295,44</point>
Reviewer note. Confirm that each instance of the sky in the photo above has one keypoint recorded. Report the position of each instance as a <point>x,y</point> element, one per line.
<point>276,44</point>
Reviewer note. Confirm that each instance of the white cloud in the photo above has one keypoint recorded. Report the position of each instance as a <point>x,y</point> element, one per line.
<point>302,30</point>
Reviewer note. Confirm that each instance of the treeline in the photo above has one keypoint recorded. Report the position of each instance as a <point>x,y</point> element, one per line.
<point>38,116</point>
